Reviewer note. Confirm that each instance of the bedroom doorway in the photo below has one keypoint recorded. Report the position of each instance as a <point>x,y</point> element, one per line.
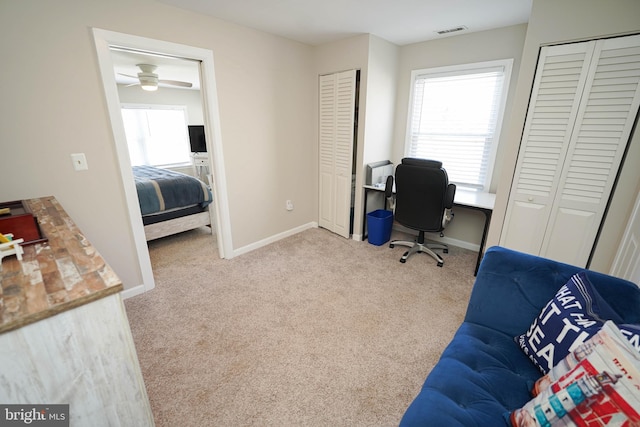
<point>107,43</point>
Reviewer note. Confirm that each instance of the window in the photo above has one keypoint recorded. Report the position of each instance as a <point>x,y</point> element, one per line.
<point>156,135</point>
<point>455,117</point>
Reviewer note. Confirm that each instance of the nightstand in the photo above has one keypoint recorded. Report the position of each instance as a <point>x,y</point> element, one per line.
<point>200,165</point>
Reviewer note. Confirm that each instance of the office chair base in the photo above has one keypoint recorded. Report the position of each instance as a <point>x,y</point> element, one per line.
<point>415,247</point>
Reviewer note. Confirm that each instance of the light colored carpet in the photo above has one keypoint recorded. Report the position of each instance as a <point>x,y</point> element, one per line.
<point>313,330</point>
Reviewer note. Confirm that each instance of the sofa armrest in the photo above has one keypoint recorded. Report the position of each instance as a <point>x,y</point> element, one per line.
<point>512,287</point>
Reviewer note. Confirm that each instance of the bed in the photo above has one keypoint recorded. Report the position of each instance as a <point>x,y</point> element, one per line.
<point>171,202</point>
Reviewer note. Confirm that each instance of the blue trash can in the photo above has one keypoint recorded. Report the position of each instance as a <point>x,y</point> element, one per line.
<point>379,224</point>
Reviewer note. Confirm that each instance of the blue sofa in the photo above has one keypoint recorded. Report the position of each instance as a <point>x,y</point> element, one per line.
<point>483,374</point>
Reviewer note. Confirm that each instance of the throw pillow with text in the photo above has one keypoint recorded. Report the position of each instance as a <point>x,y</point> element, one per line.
<point>574,314</point>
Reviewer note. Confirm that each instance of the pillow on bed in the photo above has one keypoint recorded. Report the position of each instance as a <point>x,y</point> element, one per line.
<point>574,314</point>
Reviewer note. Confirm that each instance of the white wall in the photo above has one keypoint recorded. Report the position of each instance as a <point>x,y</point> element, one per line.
<point>55,106</point>
<point>192,99</point>
<point>482,46</point>
<point>381,99</point>
<point>553,22</point>
<point>378,121</point>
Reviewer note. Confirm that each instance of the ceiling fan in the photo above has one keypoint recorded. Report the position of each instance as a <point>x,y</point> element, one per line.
<point>148,79</point>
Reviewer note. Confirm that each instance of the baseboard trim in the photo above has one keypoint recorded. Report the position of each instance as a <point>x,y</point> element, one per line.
<point>132,292</point>
<point>455,242</point>
<point>274,238</point>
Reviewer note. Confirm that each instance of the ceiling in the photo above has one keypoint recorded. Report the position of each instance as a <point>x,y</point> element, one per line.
<point>169,68</point>
<point>400,22</point>
<point>315,22</point>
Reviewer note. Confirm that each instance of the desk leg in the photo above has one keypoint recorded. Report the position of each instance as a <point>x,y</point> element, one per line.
<point>364,215</point>
<point>487,220</point>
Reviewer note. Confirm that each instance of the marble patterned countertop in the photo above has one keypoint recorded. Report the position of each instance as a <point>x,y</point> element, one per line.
<point>54,276</point>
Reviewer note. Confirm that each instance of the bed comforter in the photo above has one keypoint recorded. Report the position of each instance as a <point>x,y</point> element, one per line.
<point>161,190</point>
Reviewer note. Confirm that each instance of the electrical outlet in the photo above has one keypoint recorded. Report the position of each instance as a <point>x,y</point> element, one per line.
<point>79,161</point>
<point>289,205</point>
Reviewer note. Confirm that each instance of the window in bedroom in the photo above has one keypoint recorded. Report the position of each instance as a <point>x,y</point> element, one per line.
<point>157,135</point>
<point>455,115</point>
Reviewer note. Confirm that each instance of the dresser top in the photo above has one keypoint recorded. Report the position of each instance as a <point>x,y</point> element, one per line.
<point>54,276</point>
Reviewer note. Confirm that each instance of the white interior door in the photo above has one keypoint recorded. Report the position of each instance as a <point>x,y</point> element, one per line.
<point>627,261</point>
<point>337,119</point>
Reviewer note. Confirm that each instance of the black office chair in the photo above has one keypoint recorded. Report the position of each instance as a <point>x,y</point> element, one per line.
<point>423,202</point>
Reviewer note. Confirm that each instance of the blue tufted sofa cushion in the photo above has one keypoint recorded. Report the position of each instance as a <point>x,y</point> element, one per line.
<point>483,374</point>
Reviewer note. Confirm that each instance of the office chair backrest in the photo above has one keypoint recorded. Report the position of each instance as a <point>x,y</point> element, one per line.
<point>423,193</point>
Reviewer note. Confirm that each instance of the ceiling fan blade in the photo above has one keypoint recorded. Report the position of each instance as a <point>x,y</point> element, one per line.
<point>175,83</point>
<point>128,75</point>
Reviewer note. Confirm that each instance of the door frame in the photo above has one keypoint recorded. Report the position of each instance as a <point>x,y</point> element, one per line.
<point>104,40</point>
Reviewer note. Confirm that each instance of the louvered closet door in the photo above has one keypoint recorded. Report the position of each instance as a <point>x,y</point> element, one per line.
<point>327,128</point>
<point>553,107</point>
<point>582,109</point>
<point>607,113</point>
<point>337,109</point>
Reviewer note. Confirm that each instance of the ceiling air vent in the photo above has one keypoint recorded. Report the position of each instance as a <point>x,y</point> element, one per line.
<point>452,30</point>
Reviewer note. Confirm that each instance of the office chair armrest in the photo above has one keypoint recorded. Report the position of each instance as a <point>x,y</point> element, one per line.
<point>449,196</point>
<point>388,188</point>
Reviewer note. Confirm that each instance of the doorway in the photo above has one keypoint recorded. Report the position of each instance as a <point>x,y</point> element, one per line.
<point>106,41</point>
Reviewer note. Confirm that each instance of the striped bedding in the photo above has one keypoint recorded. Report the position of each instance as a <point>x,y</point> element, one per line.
<point>161,190</point>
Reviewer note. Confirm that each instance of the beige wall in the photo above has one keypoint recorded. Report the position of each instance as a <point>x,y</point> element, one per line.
<point>553,22</point>
<point>378,121</point>
<point>490,45</point>
<point>381,99</point>
<point>54,105</point>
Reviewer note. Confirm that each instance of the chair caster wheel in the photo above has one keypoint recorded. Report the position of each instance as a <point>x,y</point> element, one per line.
<point>391,245</point>
<point>446,251</point>
<point>440,264</point>
<point>403,260</point>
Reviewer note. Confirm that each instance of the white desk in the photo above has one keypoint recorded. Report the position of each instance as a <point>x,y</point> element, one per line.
<point>468,199</point>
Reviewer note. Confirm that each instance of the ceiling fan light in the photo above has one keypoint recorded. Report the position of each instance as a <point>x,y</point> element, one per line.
<point>149,87</point>
<point>148,82</point>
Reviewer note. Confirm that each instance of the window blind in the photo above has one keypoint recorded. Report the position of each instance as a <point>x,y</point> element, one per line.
<point>156,135</point>
<point>454,117</point>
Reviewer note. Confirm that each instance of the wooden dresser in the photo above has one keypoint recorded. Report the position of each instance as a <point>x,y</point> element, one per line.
<point>64,333</point>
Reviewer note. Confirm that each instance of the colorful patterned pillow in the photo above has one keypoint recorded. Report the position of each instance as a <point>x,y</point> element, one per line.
<point>574,314</point>
<point>595,385</point>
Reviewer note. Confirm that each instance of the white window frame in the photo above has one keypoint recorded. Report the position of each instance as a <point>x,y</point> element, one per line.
<point>506,65</point>
<point>183,108</point>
